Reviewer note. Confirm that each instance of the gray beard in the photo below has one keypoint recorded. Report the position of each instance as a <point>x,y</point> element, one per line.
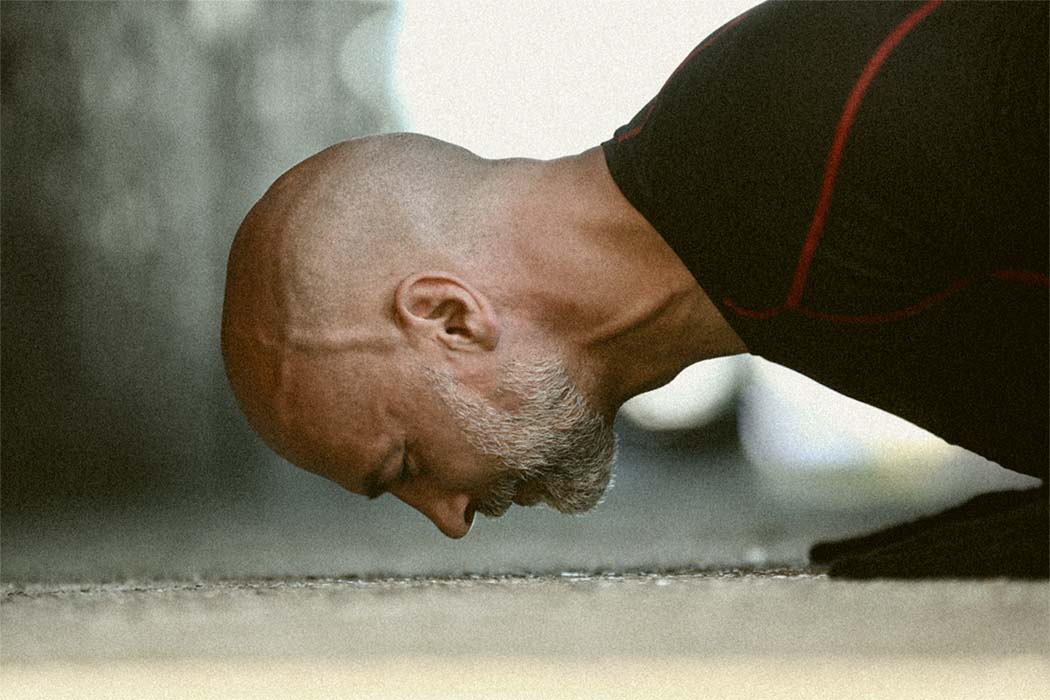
<point>554,447</point>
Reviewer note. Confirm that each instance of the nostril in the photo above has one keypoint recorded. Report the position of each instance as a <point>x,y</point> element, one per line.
<point>468,516</point>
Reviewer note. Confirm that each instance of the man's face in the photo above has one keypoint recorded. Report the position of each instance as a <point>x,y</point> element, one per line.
<point>551,447</point>
<point>446,451</point>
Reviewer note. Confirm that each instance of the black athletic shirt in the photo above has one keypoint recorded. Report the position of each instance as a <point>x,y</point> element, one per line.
<point>862,189</point>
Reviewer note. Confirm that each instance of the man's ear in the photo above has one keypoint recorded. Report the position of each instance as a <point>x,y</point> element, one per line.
<point>447,309</point>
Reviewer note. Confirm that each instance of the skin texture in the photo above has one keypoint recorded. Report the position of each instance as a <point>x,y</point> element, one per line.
<point>385,283</point>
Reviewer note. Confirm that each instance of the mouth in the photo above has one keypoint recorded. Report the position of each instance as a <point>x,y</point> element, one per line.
<point>519,491</point>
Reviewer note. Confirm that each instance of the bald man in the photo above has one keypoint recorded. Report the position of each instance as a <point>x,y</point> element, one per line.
<point>857,191</point>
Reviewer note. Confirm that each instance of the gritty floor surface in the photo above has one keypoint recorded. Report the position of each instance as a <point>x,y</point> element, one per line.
<point>717,634</point>
<point>310,593</point>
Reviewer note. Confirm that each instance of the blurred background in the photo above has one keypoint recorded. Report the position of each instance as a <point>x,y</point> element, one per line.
<point>135,136</point>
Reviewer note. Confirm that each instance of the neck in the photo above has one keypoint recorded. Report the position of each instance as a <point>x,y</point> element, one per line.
<point>599,282</point>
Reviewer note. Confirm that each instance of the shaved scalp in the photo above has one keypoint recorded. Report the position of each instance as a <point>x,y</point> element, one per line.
<point>313,266</point>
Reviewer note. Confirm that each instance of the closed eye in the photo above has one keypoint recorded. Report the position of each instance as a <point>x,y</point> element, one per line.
<point>406,470</point>
<point>410,468</point>
<point>374,487</point>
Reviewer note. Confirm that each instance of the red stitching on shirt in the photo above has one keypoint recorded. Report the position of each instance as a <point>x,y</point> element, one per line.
<point>827,188</point>
<point>838,145</point>
<point>652,105</point>
<point>1025,277</point>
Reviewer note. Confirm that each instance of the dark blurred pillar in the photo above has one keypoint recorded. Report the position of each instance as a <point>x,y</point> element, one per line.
<point>135,136</point>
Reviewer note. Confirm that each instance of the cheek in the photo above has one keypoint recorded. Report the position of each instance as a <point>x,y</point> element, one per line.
<point>440,447</point>
<point>450,462</point>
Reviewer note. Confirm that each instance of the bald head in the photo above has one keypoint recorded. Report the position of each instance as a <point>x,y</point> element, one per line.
<point>313,266</point>
<point>368,336</point>
<point>347,219</point>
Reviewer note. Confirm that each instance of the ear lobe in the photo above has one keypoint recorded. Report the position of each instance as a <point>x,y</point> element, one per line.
<point>445,308</point>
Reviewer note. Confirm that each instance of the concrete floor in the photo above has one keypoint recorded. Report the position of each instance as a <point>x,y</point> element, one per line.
<point>309,592</point>
<point>689,634</point>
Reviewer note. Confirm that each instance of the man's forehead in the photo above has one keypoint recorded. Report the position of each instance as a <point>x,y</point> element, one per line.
<point>350,450</point>
<point>344,415</point>
<point>273,371</point>
<point>323,400</point>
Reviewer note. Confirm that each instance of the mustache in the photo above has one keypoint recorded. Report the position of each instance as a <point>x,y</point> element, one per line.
<point>570,494</point>
<point>500,497</point>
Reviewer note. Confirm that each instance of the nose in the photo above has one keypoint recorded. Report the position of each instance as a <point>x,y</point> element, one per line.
<point>452,513</point>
